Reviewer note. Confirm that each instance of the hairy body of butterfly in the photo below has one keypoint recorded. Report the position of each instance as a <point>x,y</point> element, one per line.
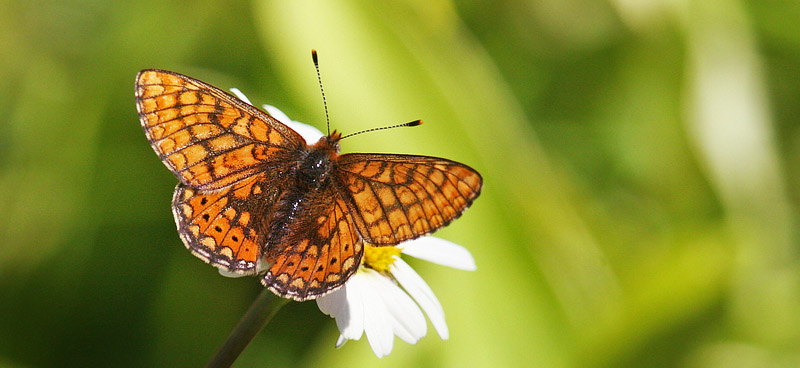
<point>253,192</point>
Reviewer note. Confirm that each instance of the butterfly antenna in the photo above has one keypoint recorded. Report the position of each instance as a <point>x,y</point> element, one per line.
<point>409,124</point>
<point>319,78</point>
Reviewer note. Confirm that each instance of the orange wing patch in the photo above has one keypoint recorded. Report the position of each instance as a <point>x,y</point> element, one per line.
<point>206,137</point>
<point>400,197</point>
<point>321,251</point>
<point>217,228</point>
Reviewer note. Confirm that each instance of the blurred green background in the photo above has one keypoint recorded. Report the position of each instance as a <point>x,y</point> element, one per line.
<point>639,157</point>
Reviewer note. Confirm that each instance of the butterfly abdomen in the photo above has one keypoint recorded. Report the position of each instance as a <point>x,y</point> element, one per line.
<point>286,210</point>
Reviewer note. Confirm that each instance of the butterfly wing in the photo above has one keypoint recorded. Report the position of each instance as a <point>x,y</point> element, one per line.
<point>225,227</point>
<point>228,157</point>
<point>206,137</point>
<point>394,198</point>
<point>320,250</point>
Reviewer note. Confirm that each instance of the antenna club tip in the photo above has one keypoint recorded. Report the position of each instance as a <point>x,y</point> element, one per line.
<point>415,123</point>
<point>314,56</point>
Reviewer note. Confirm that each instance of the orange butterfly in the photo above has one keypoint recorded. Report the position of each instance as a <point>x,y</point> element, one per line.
<point>252,190</point>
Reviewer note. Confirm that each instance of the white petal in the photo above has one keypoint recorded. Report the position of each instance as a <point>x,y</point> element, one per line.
<point>227,273</point>
<point>408,322</point>
<point>422,293</point>
<point>377,320</point>
<point>261,266</point>
<point>240,95</point>
<point>340,341</point>
<point>351,320</point>
<point>277,114</point>
<point>439,251</point>
<point>308,132</point>
<point>334,304</point>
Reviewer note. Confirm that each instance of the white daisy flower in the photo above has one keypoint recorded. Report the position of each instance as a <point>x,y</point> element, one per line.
<point>386,297</point>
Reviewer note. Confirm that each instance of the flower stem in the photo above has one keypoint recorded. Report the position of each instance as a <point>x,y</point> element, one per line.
<point>257,316</point>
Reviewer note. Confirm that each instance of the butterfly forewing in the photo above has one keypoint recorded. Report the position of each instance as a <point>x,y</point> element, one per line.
<point>206,137</point>
<point>395,198</point>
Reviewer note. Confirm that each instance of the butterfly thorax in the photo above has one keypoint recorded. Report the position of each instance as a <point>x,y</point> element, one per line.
<point>315,167</point>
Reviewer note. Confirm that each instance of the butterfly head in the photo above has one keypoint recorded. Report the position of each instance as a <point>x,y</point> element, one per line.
<point>333,139</point>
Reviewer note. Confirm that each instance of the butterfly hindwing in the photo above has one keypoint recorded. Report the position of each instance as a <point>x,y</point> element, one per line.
<point>206,137</point>
<point>320,250</point>
<point>225,227</point>
<point>395,198</point>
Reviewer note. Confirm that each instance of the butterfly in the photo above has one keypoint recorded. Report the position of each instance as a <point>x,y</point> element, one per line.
<point>252,192</point>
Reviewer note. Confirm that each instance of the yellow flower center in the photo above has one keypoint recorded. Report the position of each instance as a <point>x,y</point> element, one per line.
<point>380,258</point>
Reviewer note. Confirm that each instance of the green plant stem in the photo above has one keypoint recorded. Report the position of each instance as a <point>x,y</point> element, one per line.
<point>257,316</point>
